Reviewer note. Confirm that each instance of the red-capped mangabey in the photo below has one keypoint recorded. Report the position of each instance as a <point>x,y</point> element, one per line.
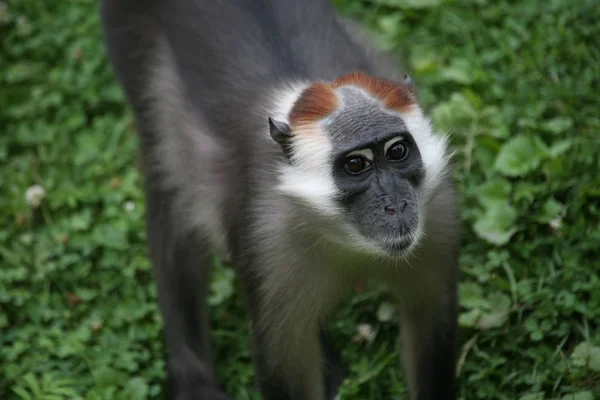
<point>274,136</point>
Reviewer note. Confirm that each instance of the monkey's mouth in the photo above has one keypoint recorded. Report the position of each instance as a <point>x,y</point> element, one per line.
<point>398,246</point>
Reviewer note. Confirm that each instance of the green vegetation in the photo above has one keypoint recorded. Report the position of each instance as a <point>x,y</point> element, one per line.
<point>515,82</point>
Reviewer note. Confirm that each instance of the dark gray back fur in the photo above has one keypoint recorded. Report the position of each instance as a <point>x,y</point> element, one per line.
<point>267,41</point>
<point>241,51</point>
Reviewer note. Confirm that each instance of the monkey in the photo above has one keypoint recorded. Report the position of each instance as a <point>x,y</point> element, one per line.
<point>275,135</point>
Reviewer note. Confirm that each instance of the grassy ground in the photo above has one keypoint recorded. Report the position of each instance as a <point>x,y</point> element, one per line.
<point>517,84</point>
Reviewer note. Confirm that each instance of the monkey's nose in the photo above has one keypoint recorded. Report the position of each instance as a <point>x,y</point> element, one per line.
<point>392,210</point>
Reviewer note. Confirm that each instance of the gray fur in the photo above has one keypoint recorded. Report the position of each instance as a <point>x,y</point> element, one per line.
<point>200,77</point>
<point>361,119</point>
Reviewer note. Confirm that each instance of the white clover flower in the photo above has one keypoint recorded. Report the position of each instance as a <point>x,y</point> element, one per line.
<point>385,312</point>
<point>556,223</point>
<point>34,195</point>
<point>129,206</point>
<point>365,332</point>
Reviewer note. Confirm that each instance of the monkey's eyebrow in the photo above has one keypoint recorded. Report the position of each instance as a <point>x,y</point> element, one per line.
<point>389,143</point>
<point>367,153</point>
<point>373,140</point>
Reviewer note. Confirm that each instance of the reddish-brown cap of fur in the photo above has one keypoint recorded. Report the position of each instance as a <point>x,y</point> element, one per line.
<point>315,102</point>
<point>319,100</point>
<point>395,96</point>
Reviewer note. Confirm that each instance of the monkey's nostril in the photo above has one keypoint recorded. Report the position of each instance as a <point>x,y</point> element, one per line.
<point>389,210</point>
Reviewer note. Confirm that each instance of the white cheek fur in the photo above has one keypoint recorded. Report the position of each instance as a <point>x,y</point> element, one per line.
<point>282,100</point>
<point>310,178</point>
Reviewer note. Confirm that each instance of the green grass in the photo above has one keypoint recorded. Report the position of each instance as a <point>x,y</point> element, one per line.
<point>515,82</point>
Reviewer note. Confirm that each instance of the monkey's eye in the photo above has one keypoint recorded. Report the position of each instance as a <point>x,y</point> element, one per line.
<point>397,152</point>
<point>356,164</point>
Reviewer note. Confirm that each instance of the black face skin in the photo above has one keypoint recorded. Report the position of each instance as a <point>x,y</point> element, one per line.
<point>379,188</point>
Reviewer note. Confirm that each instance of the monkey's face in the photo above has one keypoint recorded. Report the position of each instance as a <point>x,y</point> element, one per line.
<point>366,162</point>
<point>378,191</point>
<point>377,172</point>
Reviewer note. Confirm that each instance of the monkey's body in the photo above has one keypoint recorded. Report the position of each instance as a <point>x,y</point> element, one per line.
<point>202,77</point>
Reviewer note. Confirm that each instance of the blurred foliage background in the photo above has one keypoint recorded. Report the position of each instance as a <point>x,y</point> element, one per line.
<point>515,82</point>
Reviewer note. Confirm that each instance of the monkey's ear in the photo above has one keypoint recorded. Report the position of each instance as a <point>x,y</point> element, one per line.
<point>280,131</point>
<point>282,134</point>
<point>409,83</point>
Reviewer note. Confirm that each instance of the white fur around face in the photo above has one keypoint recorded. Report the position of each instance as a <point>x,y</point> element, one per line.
<point>283,99</point>
<point>433,148</point>
<point>309,176</point>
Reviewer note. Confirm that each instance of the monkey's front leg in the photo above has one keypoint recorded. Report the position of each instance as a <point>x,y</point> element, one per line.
<point>428,336</point>
<point>286,341</point>
<point>289,370</point>
<point>181,268</point>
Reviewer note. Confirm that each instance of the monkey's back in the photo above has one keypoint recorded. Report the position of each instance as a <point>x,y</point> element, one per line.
<point>240,48</point>
<point>202,71</point>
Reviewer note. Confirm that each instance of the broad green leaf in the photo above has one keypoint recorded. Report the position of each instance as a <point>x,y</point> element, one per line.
<point>485,313</point>
<point>136,389</point>
<point>558,125</point>
<point>496,224</point>
<point>425,61</point>
<point>106,376</point>
<point>221,287</point>
<point>454,113</point>
<point>469,319</point>
<point>585,354</point>
<point>559,148</point>
<point>531,324</point>
<point>459,71</point>
<point>550,210</point>
<point>494,193</point>
<point>498,314</point>
<point>498,127</point>
<point>390,24</point>
<point>585,395</point>
<point>471,295</point>
<point>390,27</point>
<point>520,156</point>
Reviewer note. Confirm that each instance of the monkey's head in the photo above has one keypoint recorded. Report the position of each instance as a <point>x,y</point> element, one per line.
<point>363,157</point>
